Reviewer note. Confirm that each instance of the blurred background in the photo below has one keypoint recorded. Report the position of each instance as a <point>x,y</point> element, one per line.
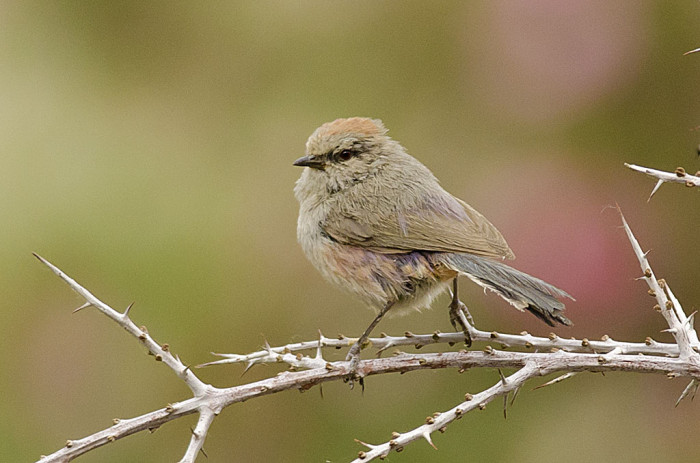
<point>146,149</point>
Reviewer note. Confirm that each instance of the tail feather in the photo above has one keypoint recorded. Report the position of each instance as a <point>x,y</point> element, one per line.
<point>523,291</point>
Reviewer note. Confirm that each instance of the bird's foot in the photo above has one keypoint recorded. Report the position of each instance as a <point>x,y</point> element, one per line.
<point>354,358</point>
<point>460,316</point>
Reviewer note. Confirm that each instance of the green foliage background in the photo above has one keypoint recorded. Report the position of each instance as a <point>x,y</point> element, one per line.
<point>146,149</point>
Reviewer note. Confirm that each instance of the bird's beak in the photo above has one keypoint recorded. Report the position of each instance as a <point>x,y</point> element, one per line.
<point>315,162</point>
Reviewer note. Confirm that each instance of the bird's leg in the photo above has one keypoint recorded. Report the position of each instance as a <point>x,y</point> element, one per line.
<point>354,353</point>
<point>457,306</point>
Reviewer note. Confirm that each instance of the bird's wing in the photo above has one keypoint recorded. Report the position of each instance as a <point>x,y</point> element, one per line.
<point>439,223</point>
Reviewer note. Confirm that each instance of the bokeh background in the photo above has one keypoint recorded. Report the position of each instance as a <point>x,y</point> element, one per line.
<point>146,149</point>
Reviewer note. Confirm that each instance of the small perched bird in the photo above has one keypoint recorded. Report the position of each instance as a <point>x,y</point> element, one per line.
<point>376,222</point>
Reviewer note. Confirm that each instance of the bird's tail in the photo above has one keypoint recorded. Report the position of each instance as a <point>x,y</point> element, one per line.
<point>523,291</point>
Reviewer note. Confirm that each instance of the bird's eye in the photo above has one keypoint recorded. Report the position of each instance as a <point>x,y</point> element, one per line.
<point>345,155</point>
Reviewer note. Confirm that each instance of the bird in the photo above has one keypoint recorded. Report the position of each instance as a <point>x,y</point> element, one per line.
<point>376,222</point>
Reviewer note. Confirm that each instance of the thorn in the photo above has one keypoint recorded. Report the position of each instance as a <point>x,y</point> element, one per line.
<point>426,436</point>
<point>505,406</point>
<point>503,378</point>
<point>248,366</point>
<point>388,345</point>
<point>127,310</point>
<point>557,379</point>
<point>84,306</point>
<point>656,188</point>
<point>515,394</point>
<point>364,443</point>
<point>693,385</point>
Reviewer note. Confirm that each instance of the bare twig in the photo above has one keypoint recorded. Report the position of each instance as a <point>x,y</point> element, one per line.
<point>161,353</point>
<point>680,326</point>
<point>678,176</point>
<point>504,340</point>
<point>206,417</point>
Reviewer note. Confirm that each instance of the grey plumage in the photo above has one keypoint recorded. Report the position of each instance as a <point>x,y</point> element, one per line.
<point>523,291</point>
<point>376,222</point>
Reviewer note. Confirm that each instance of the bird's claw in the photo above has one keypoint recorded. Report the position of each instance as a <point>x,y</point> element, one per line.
<point>354,358</point>
<point>455,308</point>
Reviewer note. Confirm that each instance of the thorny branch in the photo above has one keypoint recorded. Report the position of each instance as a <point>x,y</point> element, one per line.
<point>502,340</point>
<point>543,356</point>
<point>677,176</point>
